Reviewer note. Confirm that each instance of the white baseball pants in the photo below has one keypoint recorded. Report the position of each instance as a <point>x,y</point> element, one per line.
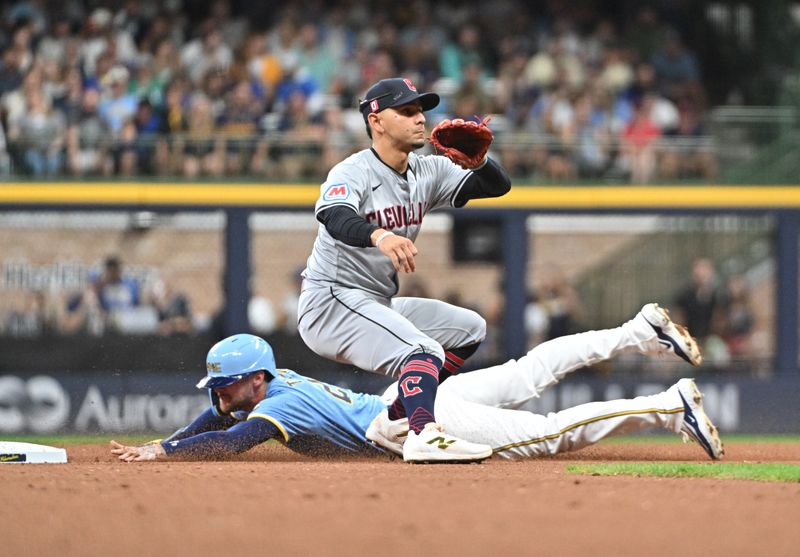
<point>480,406</point>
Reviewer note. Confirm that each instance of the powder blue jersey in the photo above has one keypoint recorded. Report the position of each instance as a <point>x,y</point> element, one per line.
<point>315,417</point>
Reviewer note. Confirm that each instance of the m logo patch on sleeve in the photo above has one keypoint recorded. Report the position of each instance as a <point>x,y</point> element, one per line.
<point>337,192</point>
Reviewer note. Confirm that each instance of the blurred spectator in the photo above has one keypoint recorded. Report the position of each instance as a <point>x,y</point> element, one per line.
<point>677,70</point>
<point>54,83</point>
<point>113,290</point>
<point>617,73</point>
<point>30,316</point>
<point>462,52</point>
<point>205,52</point>
<point>591,139</point>
<point>199,151</point>
<point>314,59</point>
<point>117,106</point>
<point>734,317</point>
<point>338,142</point>
<point>561,303</point>
<point>53,46</point>
<point>698,300</point>
<point>639,144</point>
<point>546,57</point>
<point>174,309</point>
<point>41,136</point>
<point>176,100</point>
<point>537,320</point>
<point>646,35</point>
<point>149,86</point>
<point>119,298</point>
<point>5,159</point>
<point>261,315</point>
<point>687,156</point>
<point>471,98</point>
<point>81,314</point>
<point>94,40</point>
<point>87,138</point>
<point>300,150</point>
<point>238,124</point>
<point>163,65</point>
<point>125,152</point>
<point>10,71</point>
<point>152,151</point>
<point>233,29</point>
<point>262,64</point>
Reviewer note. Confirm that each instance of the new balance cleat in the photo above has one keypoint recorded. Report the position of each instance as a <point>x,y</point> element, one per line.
<point>696,424</point>
<point>388,434</point>
<point>671,336</point>
<point>433,445</point>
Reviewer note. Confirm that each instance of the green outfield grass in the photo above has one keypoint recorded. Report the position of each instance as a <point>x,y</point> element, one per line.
<point>767,472</point>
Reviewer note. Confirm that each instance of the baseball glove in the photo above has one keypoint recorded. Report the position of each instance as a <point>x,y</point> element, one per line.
<point>463,142</point>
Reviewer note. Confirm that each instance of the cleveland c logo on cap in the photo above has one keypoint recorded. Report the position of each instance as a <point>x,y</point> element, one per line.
<point>410,85</point>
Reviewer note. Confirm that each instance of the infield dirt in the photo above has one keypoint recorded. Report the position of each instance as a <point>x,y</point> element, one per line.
<point>273,502</point>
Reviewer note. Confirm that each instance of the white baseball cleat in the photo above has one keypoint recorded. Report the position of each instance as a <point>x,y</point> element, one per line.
<point>696,424</point>
<point>388,434</point>
<point>433,445</point>
<point>672,337</point>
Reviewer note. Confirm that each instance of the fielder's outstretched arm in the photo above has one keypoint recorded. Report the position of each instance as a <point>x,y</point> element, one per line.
<point>490,180</point>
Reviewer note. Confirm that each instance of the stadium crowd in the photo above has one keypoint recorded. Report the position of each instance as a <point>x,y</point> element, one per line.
<point>226,88</point>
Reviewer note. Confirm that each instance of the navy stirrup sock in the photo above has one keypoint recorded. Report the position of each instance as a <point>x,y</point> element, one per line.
<point>455,358</point>
<point>416,388</point>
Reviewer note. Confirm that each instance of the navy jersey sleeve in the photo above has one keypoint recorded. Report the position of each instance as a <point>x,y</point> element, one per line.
<point>347,226</point>
<point>207,421</point>
<point>490,180</point>
<point>216,444</point>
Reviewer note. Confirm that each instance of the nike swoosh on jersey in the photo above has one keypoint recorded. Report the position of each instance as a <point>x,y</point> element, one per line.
<point>376,187</point>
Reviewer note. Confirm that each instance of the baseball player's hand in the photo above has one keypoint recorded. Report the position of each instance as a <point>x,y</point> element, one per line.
<point>150,451</point>
<point>399,249</point>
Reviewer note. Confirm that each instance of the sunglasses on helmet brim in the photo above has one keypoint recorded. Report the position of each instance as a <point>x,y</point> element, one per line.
<point>209,382</point>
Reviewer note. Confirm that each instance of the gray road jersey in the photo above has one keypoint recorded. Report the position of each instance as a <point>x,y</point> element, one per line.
<point>382,196</point>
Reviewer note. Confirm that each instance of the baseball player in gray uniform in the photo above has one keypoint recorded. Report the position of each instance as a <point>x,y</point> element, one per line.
<point>370,210</point>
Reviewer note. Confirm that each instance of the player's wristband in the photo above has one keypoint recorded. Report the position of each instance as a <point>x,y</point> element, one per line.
<point>382,237</point>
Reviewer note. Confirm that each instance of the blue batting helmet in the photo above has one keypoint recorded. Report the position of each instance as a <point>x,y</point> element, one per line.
<point>234,358</point>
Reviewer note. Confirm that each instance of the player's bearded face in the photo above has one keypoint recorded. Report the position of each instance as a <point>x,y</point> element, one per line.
<point>238,396</point>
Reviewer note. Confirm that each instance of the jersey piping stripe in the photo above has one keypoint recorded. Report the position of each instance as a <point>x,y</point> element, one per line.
<point>586,422</point>
<point>368,319</point>
<point>341,203</point>
<point>273,421</point>
<point>458,188</point>
<point>455,359</point>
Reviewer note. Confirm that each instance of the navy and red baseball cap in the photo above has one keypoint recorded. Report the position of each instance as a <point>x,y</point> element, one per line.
<point>392,92</point>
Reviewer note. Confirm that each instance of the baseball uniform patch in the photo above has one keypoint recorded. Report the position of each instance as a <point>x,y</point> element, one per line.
<point>337,192</point>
